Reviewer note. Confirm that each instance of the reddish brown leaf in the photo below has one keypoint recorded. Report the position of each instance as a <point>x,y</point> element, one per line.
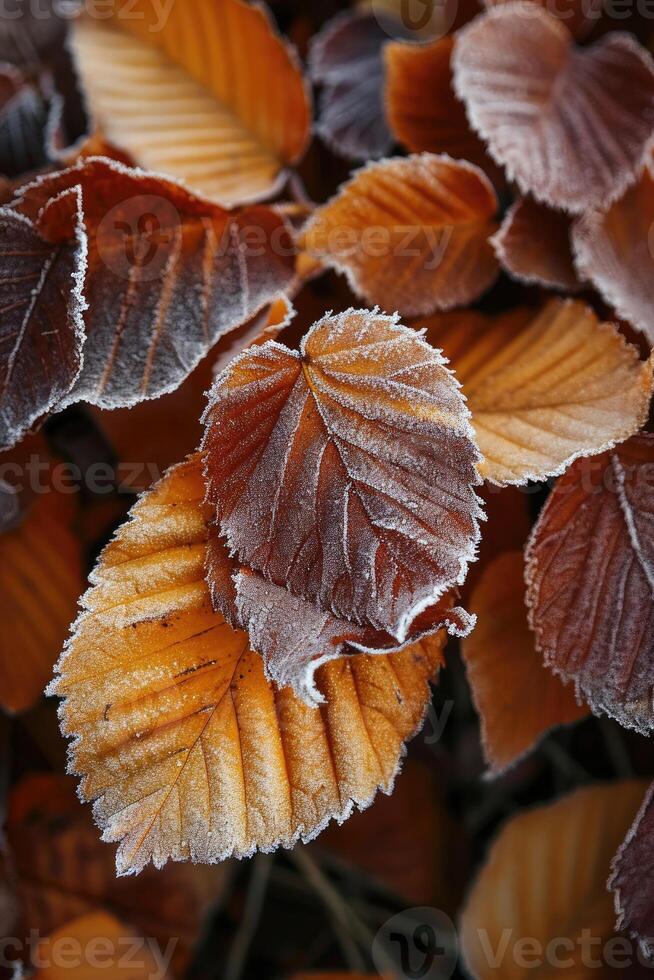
<point>41,327</point>
<point>346,58</point>
<point>169,273</point>
<point>344,473</point>
<point>517,698</point>
<point>615,250</point>
<point>423,110</point>
<point>590,576</point>
<point>410,234</point>
<point>571,125</point>
<point>631,878</point>
<point>533,245</point>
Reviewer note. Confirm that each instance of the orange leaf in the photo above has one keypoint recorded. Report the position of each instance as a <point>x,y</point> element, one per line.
<point>545,883</point>
<point>615,250</point>
<point>240,112</point>
<point>533,245</point>
<point>344,472</point>
<point>571,125</point>
<point>410,234</point>
<point>517,698</point>
<point>187,750</point>
<point>40,580</point>
<point>168,275</point>
<point>423,110</point>
<point>590,575</point>
<point>544,389</point>
<point>42,330</point>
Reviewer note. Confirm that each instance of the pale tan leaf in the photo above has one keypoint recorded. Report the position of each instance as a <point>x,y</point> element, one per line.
<point>187,750</point>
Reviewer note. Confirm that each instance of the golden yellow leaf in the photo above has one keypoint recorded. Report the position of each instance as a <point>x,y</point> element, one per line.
<point>517,697</point>
<point>545,882</point>
<point>207,92</point>
<point>40,580</point>
<point>545,389</point>
<point>187,749</point>
<point>410,234</point>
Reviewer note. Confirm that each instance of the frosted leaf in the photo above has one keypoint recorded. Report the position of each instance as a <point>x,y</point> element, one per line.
<point>41,328</point>
<point>545,878</point>
<point>631,878</point>
<point>570,125</point>
<point>544,389</point>
<point>533,245</point>
<point>345,472</point>
<point>210,93</point>
<point>346,58</point>
<point>615,250</point>
<point>410,234</point>
<point>590,578</point>
<point>185,747</point>
<point>169,274</point>
<point>517,698</point>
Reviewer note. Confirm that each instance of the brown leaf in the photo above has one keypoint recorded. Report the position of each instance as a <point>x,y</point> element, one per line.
<point>615,250</point>
<point>545,882</point>
<point>40,581</point>
<point>168,275</point>
<point>61,870</point>
<point>423,110</point>
<point>517,698</point>
<point>631,877</point>
<point>344,472</point>
<point>346,58</point>
<point>41,330</point>
<point>533,246</point>
<point>410,234</point>
<point>240,112</point>
<point>187,750</point>
<point>590,576</point>
<point>544,388</point>
<point>571,125</point>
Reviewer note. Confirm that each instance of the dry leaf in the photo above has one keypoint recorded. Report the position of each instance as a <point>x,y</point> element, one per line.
<point>60,870</point>
<point>423,110</point>
<point>615,250</point>
<point>42,330</point>
<point>570,125</point>
<point>346,58</point>
<point>168,275</point>
<point>590,575</point>
<point>185,747</point>
<point>517,698</point>
<point>104,944</point>
<point>410,234</point>
<point>344,472</point>
<point>40,580</point>
<point>545,881</point>
<point>211,94</point>
<point>533,245</point>
<point>547,391</point>
<point>631,878</point>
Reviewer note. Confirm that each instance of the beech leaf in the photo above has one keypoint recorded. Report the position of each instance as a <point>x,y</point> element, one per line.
<point>570,125</point>
<point>533,245</point>
<point>590,576</point>
<point>210,94</point>
<point>631,876</point>
<point>410,234</point>
<point>168,275</point>
<point>344,472</point>
<point>187,750</point>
